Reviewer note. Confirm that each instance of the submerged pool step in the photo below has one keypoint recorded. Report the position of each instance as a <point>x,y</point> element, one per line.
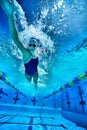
<point>28,110</point>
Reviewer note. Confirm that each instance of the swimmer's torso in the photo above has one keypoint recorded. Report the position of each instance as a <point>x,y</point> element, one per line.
<point>31,67</point>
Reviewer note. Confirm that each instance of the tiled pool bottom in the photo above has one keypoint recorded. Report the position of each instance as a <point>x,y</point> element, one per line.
<point>14,117</point>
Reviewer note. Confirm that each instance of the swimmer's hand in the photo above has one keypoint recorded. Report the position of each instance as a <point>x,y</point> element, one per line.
<point>7,6</point>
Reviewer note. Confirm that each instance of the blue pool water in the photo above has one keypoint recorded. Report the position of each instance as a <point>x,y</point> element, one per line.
<point>61,27</point>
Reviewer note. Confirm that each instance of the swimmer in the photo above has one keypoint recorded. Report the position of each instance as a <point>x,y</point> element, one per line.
<point>30,61</point>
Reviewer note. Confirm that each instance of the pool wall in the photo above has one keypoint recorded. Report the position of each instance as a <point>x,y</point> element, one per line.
<point>74,103</point>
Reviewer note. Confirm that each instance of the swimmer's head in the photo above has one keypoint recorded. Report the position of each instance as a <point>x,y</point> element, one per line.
<point>33,43</point>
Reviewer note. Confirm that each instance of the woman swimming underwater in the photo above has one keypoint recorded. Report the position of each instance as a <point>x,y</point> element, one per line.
<point>29,58</point>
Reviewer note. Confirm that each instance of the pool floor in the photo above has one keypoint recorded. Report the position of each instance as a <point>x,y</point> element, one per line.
<point>24,119</point>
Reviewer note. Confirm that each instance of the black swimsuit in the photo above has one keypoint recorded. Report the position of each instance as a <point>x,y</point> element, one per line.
<point>31,67</point>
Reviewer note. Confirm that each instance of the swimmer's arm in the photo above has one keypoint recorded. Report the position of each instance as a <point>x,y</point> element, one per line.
<point>14,33</point>
<point>8,8</point>
<point>26,52</point>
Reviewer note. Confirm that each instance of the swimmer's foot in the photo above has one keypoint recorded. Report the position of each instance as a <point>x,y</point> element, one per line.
<point>36,86</point>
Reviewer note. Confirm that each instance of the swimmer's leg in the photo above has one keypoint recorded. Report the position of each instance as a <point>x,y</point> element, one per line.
<point>28,77</point>
<point>35,78</point>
